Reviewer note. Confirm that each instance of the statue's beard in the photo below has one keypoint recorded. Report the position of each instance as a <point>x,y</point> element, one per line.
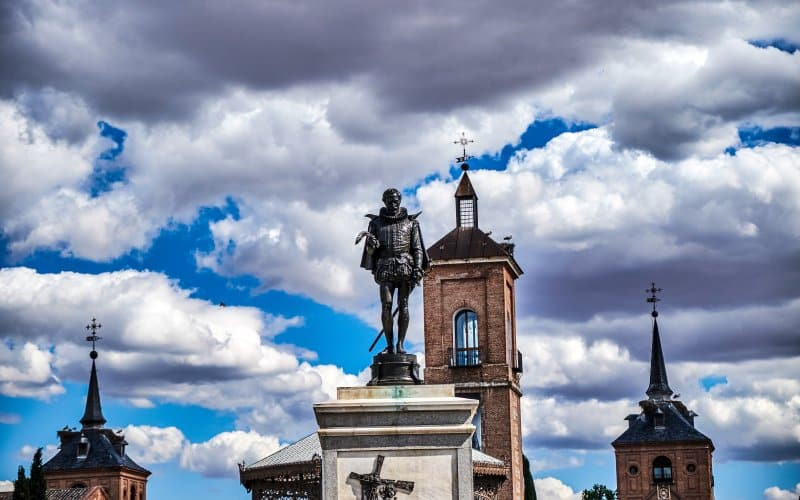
<point>393,210</point>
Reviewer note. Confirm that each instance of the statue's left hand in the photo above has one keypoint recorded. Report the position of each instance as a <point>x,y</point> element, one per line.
<point>418,274</point>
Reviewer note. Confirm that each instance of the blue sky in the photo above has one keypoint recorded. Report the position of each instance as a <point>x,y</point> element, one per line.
<point>155,170</point>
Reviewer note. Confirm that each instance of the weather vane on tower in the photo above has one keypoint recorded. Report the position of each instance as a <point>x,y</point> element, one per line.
<point>463,141</point>
<point>652,298</point>
<point>93,327</point>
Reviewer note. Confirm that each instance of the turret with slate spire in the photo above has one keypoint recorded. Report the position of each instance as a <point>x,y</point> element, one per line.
<point>94,457</point>
<point>661,454</point>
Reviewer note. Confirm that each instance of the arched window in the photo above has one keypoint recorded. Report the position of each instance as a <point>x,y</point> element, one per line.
<point>662,470</point>
<point>466,339</point>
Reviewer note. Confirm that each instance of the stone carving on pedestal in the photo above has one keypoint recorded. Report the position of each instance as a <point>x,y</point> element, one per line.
<point>374,487</point>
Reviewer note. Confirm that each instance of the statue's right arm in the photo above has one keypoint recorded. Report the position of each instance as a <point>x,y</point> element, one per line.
<point>372,239</point>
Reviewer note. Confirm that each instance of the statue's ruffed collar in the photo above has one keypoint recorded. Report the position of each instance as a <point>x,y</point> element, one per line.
<point>401,214</point>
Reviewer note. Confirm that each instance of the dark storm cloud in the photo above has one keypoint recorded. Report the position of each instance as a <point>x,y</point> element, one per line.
<point>671,122</point>
<point>602,390</point>
<point>735,301</point>
<point>574,442</point>
<point>764,452</point>
<point>710,282</point>
<point>150,370</point>
<point>155,59</point>
<point>692,333</point>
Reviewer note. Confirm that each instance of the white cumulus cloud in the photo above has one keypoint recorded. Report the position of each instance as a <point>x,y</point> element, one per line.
<point>775,493</point>
<point>218,456</point>
<point>149,444</point>
<point>550,488</point>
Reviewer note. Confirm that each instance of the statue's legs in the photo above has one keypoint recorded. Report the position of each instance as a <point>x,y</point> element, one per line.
<point>387,291</point>
<point>403,292</point>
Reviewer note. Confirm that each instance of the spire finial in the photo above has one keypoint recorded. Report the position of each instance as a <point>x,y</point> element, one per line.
<point>93,327</point>
<point>652,298</point>
<point>463,141</point>
<point>93,415</point>
<point>659,386</point>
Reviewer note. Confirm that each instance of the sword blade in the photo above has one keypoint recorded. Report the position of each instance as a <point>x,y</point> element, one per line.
<point>378,337</point>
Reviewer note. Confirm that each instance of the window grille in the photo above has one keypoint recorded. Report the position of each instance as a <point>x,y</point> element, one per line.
<point>465,213</point>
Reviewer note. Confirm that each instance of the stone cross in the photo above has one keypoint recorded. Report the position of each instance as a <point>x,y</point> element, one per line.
<point>373,487</point>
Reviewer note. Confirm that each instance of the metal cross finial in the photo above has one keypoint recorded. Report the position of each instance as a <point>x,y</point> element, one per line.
<point>93,327</point>
<point>652,298</point>
<point>463,141</point>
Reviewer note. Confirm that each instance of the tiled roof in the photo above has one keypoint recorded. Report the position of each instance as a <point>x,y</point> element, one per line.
<point>93,416</point>
<point>479,457</point>
<point>67,493</point>
<point>102,453</point>
<point>468,243</point>
<point>59,493</point>
<point>659,387</point>
<point>306,448</point>
<point>301,451</point>
<point>465,188</point>
<point>676,428</point>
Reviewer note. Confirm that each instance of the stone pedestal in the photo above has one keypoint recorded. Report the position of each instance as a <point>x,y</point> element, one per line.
<point>422,432</point>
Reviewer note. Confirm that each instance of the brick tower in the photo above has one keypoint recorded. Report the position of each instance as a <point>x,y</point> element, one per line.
<point>470,332</point>
<point>94,457</point>
<point>661,455</point>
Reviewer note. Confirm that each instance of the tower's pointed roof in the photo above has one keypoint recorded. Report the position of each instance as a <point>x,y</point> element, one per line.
<point>662,419</point>
<point>94,447</point>
<point>466,241</point>
<point>93,416</point>
<point>659,387</point>
<point>465,189</point>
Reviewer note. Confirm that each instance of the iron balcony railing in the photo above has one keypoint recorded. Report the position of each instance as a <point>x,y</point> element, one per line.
<point>465,356</point>
<point>518,362</point>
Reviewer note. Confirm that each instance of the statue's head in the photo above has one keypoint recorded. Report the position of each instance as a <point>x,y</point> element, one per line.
<point>391,199</point>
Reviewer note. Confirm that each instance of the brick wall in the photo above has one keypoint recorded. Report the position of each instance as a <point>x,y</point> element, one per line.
<point>488,289</point>
<point>686,485</point>
<point>116,483</point>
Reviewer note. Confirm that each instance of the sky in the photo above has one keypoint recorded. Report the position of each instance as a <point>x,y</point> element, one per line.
<point>161,158</point>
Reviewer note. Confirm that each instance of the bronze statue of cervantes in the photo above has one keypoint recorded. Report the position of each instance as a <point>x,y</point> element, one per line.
<point>396,255</point>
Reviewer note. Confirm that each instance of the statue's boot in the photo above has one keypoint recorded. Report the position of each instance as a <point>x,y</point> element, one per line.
<point>389,340</point>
